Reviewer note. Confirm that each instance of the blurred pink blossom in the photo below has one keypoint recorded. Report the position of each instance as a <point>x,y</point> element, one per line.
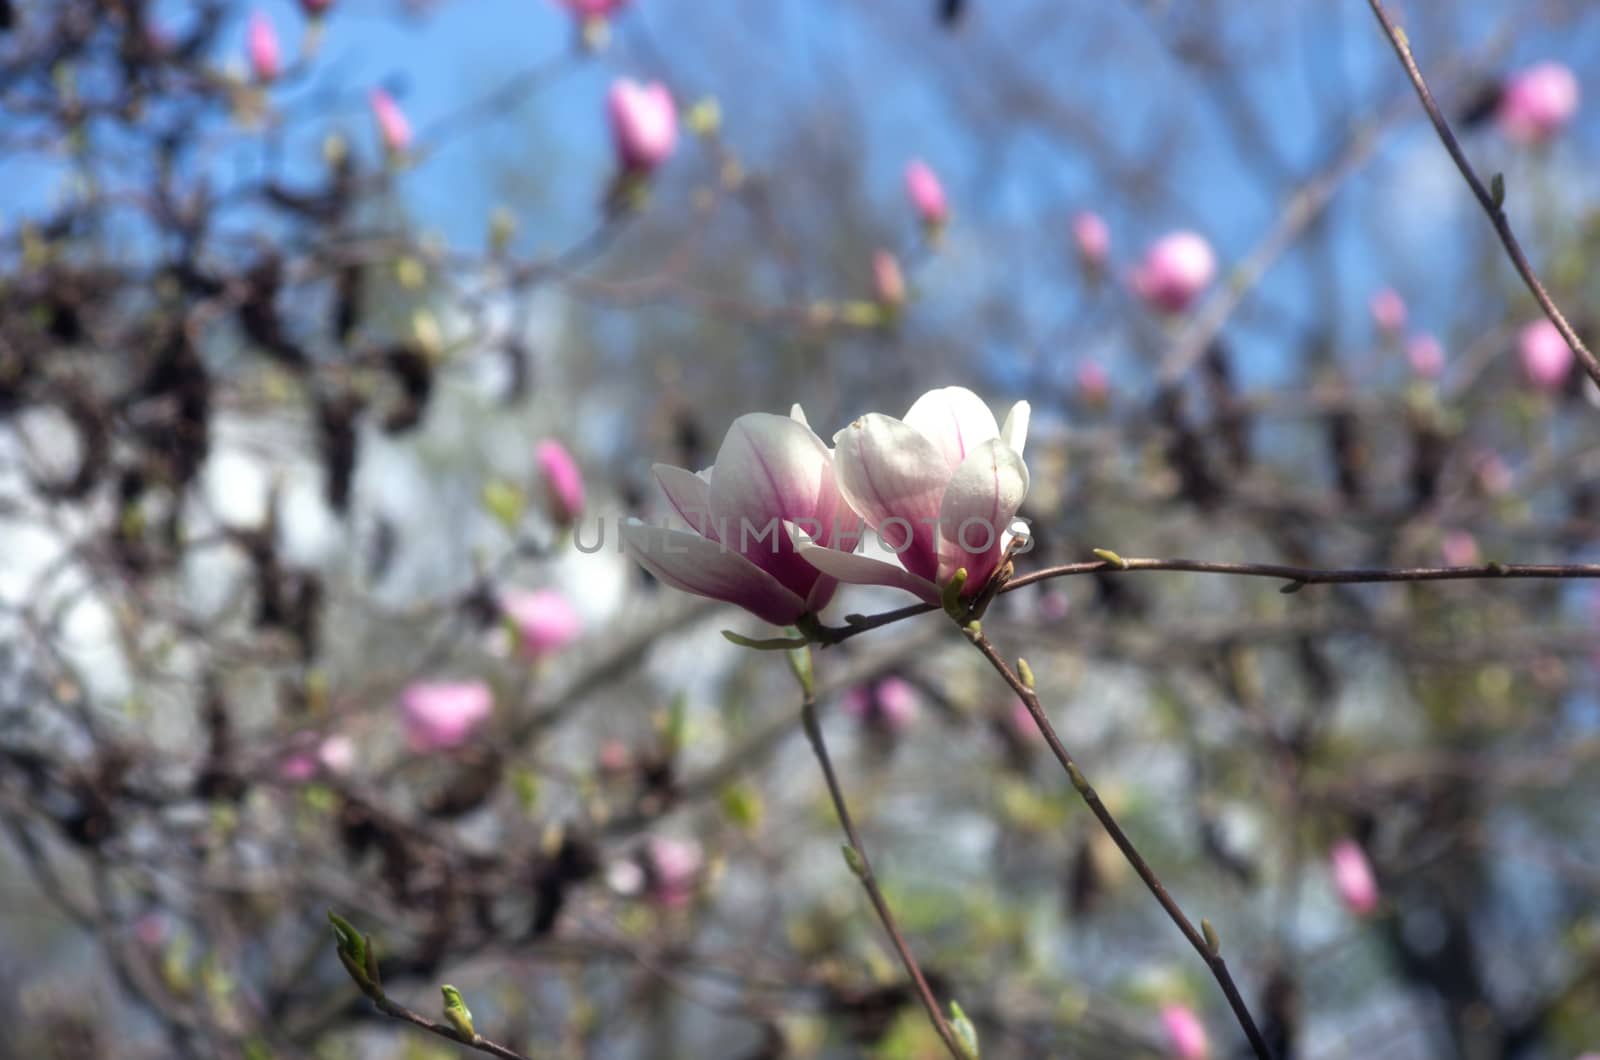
<point>1094,383</point>
<point>545,621</point>
<point>332,755</point>
<point>440,715</point>
<point>393,128</point>
<point>1546,357</point>
<point>315,8</point>
<point>593,8</point>
<point>1492,472</point>
<point>563,482</point>
<point>1425,355</point>
<point>1186,1035</point>
<point>1537,103</point>
<point>926,193</point>
<point>672,870</point>
<point>888,282</point>
<point>644,123</point>
<point>1092,238</point>
<point>1388,311</point>
<point>261,41</point>
<point>890,704</point>
<point>1174,271</point>
<point>1459,548</point>
<point>1352,877</point>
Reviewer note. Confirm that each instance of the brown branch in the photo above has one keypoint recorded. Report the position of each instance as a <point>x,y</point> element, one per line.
<point>862,867</point>
<point>389,1007</point>
<point>1196,936</point>
<point>1300,576</point>
<point>1497,215</point>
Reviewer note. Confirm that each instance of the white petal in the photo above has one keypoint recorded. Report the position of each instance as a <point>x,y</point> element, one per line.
<point>689,496</point>
<point>979,505</point>
<point>798,414</point>
<point>695,565</point>
<point>895,478</point>
<point>1014,432</point>
<point>955,420</point>
<point>864,570</point>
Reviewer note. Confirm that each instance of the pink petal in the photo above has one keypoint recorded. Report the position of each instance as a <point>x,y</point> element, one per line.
<point>895,477</point>
<point>978,507</point>
<point>689,562</point>
<point>954,419</point>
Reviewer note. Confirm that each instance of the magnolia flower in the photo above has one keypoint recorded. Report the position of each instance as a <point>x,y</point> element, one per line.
<point>644,124</point>
<point>1092,238</point>
<point>563,482</point>
<point>888,282</point>
<point>1388,311</point>
<point>941,488</point>
<point>1352,877</point>
<point>393,128</point>
<point>593,8</point>
<point>1426,356</point>
<point>544,619</point>
<point>261,42</point>
<point>440,715</point>
<point>1537,103</point>
<point>926,193</point>
<point>1094,384</point>
<point>890,704</point>
<point>1186,1035</point>
<point>770,473</point>
<point>1546,357</point>
<point>1175,269</point>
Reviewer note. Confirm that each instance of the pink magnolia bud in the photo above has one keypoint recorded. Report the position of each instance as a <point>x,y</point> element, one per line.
<point>563,482</point>
<point>1186,1035</point>
<point>672,870</point>
<point>1537,103</point>
<point>1458,548</point>
<point>888,282</point>
<point>440,715</point>
<point>315,8</point>
<point>926,193</point>
<point>545,621</point>
<point>644,124</point>
<point>593,8</point>
<point>1426,356</point>
<point>261,41</point>
<point>1094,384</point>
<point>1174,272</point>
<point>1092,238</point>
<point>1546,357</point>
<point>890,705</point>
<point>393,128</point>
<point>311,758</point>
<point>1352,877</point>
<point>1388,311</point>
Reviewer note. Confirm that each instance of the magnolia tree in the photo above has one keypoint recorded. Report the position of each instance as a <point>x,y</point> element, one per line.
<point>1160,624</point>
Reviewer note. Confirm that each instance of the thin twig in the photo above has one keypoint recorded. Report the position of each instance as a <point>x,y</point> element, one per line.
<point>862,866</point>
<point>1497,215</point>
<point>1210,954</point>
<point>389,1007</point>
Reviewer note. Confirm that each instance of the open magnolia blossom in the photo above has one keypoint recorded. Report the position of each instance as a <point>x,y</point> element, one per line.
<point>770,473</point>
<point>940,487</point>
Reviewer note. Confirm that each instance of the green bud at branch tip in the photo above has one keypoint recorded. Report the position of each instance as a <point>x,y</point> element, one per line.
<point>966,1033</point>
<point>1025,672</point>
<point>1211,937</point>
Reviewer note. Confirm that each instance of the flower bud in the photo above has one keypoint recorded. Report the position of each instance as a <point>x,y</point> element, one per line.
<point>1186,1035</point>
<point>1388,311</point>
<point>440,715</point>
<point>1352,877</point>
<point>1546,357</point>
<point>1092,238</point>
<point>926,194</point>
<point>393,128</point>
<point>1426,356</point>
<point>563,482</point>
<point>644,124</point>
<point>888,282</point>
<point>261,42</point>
<point>1174,272</point>
<point>1537,103</point>
<point>545,621</point>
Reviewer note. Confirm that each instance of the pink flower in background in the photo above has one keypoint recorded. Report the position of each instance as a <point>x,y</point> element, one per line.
<point>1537,103</point>
<point>1186,1035</point>
<point>393,128</point>
<point>545,621</point>
<point>1094,384</point>
<point>1352,877</point>
<point>593,8</point>
<point>315,8</point>
<point>440,715</point>
<point>614,757</point>
<point>261,41</point>
<point>672,870</point>
<point>1492,472</point>
<point>1020,718</point>
<point>644,124</point>
<point>1459,549</point>
<point>1092,238</point>
<point>890,704</point>
<point>926,193</point>
<point>563,482</point>
<point>771,471</point>
<point>1388,311</point>
<point>1426,356</point>
<point>941,487</point>
<point>888,282</point>
<point>310,758</point>
<point>1546,357</point>
<point>1175,270</point>
<point>151,929</point>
